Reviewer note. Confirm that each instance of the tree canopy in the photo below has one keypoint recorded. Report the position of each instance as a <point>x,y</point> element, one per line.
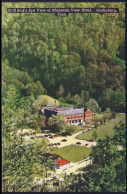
<point>80,52</point>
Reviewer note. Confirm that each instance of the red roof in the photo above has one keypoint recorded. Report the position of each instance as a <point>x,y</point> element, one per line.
<point>88,111</point>
<point>62,162</point>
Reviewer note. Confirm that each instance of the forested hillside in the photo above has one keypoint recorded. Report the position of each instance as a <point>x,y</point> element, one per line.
<point>21,82</point>
<point>49,60</point>
<point>81,52</point>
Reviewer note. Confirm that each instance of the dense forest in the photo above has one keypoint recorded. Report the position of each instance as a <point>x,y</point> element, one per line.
<point>78,59</point>
<point>79,56</point>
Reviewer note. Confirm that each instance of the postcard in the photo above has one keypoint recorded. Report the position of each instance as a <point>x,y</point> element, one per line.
<point>63,97</point>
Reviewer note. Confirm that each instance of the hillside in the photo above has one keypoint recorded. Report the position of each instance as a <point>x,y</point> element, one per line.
<point>20,81</point>
<point>60,61</point>
<point>82,54</point>
<point>24,86</point>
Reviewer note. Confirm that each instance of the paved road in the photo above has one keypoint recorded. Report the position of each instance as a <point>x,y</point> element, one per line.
<point>79,133</point>
<point>71,140</point>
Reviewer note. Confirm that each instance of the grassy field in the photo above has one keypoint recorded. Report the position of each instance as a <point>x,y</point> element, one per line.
<point>81,128</point>
<point>103,130</point>
<point>73,153</point>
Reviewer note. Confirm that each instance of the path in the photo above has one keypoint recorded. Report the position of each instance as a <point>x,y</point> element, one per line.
<point>79,133</point>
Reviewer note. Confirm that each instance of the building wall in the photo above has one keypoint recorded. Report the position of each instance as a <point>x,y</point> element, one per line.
<point>88,116</point>
<point>64,166</point>
<point>74,119</point>
<point>77,119</point>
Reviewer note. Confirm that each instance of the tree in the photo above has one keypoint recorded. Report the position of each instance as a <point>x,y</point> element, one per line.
<point>107,172</point>
<point>61,91</point>
<point>70,129</point>
<point>77,100</point>
<point>119,135</point>
<point>113,99</point>
<point>113,115</point>
<point>95,121</point>
<point>57,123</point>
<point>21,162</point>
<point>106,116</point>
<point>36,120</point>
<point>84,97</point>
<point>93,105</point>
<point>80,59</point>
<point>68,97</point>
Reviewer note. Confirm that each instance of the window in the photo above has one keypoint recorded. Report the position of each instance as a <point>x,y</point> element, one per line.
<point>69,122</point>
<point>72,121</point>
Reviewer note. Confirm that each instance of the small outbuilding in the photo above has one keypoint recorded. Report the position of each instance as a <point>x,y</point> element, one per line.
<point>62,163</point>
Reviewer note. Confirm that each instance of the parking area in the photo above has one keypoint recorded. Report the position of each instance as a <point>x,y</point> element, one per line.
<point>60,141</point>
<point>69,141</point>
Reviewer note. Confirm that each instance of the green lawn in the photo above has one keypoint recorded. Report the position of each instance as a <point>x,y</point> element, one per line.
<point>73,153</point>
<point>103,130</point>
<point>81,128</point>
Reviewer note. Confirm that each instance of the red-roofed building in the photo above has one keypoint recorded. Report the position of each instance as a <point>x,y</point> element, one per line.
<point>73,115</point>
<point>62,162</point>
<point>59,162</point>
<point>87,116</point>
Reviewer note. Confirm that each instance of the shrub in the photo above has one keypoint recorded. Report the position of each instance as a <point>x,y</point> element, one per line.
<point>70,129</point>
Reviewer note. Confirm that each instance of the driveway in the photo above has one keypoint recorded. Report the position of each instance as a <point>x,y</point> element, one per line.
<point>70,140</point>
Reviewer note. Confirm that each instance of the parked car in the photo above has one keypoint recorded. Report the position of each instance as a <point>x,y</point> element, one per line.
<point>78,143</point>
<point>58,143</point>
<point>91,140</point>
<point>55,143</point>
<point>51,136</point>
<point>55,136</point>
<point>32,137</point>
<point>86,144</point>
<point>63,140</point>
<point>45,135</point>
<point>51,144</point>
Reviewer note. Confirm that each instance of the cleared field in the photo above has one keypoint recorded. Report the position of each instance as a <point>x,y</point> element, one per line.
<point>73,153</point>
<point>103,130</point>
